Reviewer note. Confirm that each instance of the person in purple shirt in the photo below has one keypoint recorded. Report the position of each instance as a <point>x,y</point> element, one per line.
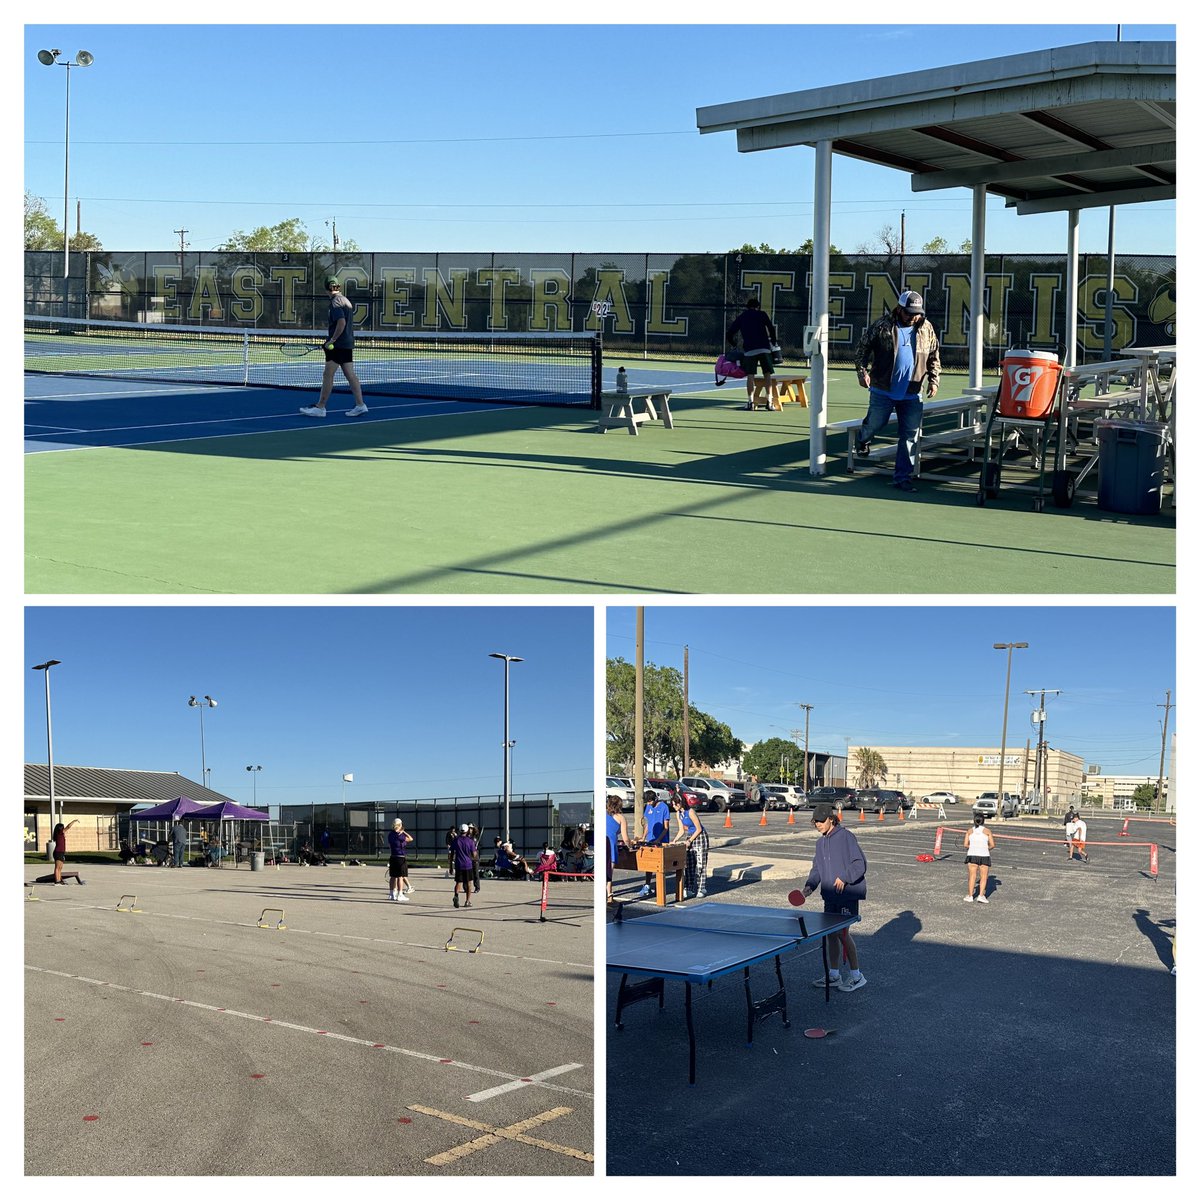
<point>840,870</point>
<point>398,842</point>
<point>463,852</point>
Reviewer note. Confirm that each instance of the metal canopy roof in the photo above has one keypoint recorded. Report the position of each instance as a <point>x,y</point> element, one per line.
<point>1075,127</point>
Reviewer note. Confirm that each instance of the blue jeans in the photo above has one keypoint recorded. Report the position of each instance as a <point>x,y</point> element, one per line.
<point>909,412</point>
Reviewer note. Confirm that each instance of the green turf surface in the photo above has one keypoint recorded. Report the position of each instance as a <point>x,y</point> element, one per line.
<point>536,501</point>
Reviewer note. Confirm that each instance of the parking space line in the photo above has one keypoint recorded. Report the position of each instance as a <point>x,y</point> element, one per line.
<point>324,1033</point>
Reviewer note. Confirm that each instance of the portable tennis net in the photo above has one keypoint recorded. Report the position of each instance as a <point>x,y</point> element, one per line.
<point>561,369</point>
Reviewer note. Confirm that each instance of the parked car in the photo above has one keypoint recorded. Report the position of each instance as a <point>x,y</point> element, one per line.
<point>990,804</point>
<point>667,788</point>
<point>940,798</point>
<point>883,800</point>
<point>847,797</point>
<point>714,795</point>
<point>782,796</point>
<point>737,795</point>
<point>660,789</point>
<point>614,785</point>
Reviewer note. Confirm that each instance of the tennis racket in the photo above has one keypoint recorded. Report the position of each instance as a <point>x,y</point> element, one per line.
<point>298,349</point>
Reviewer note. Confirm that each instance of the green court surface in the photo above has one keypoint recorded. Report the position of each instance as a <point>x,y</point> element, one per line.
<point>523,500</point>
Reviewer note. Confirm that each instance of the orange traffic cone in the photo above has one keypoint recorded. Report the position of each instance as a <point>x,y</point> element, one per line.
<point>881,814</point>
<point>728,818</point>
<point>862,814</point>
<point>791,816</point>
<point>900,812</point>
<point>764,817</point>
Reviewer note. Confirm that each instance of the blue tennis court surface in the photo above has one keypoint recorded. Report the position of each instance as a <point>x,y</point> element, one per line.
<point>80,412</point>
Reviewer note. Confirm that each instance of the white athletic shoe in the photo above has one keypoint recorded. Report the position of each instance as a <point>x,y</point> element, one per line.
<point>834,981</point>
<point>313,410</point>
<point>357,410</point>
<point>402,898</point>
<point>852,985</point>
<point>645,890</point>
<point>969,899</point>
<point>981,900</point>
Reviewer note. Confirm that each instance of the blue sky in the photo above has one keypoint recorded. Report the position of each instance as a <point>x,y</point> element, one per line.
<point>887,675</point>
<point>405,699</point>
<point>509,138</point>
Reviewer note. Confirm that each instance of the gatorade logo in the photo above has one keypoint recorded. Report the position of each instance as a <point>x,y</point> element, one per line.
<point>1022,382</point>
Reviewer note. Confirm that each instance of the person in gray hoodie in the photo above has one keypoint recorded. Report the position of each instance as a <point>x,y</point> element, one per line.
<point>839,869</point>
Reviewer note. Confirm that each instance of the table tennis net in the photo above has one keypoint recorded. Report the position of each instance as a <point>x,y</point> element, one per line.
<point>560,369</point>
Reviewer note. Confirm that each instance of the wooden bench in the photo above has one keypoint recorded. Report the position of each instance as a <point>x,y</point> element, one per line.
<point>628,410</point>
<point>790,389</point>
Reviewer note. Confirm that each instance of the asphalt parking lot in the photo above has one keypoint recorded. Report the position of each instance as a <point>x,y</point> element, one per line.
<point>985,1034</point>
<point>196,1037</point>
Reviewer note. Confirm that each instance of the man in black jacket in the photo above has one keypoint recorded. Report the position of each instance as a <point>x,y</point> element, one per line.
<point>896,356</point>
<point>758,336</point>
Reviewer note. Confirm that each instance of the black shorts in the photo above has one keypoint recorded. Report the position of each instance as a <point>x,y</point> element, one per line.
<point>60,856</point>
<point>846,906</point>
<point>339,356</point>
<point>462,875</point>
<point>979,860</point>
<point>754,361</point>
<point>398,867</point>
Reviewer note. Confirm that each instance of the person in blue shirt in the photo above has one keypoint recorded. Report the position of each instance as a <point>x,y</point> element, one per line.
<point>656,817</point>
<point>398,842</point>
<point>616,837</point>
<point>695,837</point>
<point>339,352</point>
<point>896,357</point>
<point>840,870</point>
<point>758,338</point>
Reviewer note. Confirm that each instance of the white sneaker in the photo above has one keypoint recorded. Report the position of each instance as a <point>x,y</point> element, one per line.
<point>402,898</point>
<point>357,410</point>
<point>981,900</point>
<point>969,899</point>
<point>834,981</point>
<point>410,889</point>
<point>645,890</point>
<point>852,985</point>
<point>313,410</point>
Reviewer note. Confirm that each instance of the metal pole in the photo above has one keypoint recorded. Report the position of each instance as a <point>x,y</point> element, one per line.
<point>507,827</point>
<point>67,193</point>
<point>1010,647</point>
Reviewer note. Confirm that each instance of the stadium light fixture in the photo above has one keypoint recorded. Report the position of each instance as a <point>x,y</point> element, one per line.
<point>508,659</point>
<point>51,58</point>
<point>52,662</point>
<point>207,702</point>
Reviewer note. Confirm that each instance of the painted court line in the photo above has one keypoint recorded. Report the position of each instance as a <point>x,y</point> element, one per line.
<point>325,1033</point>
<point>493,1135</point>
<point>525,1082</point>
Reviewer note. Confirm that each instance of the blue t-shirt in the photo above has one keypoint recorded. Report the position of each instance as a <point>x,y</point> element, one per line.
<point>340,308</point>
<point>399,844</point>
<point>612,828</point>
<point>658,822</point>
<point>902,365</point>
<point>686,818</point>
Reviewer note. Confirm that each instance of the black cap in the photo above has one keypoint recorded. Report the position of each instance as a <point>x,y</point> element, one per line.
<point>823,812</point>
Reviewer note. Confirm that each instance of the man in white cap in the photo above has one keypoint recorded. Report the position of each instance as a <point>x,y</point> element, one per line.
<point>895,358</point>
<point>464,852</point>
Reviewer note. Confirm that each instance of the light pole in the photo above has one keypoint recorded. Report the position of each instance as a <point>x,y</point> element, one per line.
<point>509,659</point>
<point>53,662</point>
<point>254,780</point>
<point>207,702</point>
<point>1010,647</point>
<point>50,58</point>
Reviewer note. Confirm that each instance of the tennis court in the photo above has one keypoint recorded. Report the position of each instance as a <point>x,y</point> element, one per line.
<point>181,488</point>
<point>298,1022</point>
<point>974,1048</point>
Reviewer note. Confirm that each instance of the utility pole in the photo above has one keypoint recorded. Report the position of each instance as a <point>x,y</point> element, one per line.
<point>182,245</point>
<point>687,748</point>
<point>1162,755</point>
<point>807,709</point>
<point>1041,766</point>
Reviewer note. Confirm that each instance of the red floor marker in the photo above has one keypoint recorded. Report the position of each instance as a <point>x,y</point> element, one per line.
<point>322,1030</point>
<point>258,1077</point>
<point>404,1120</point>
<point>551,1003</point>
<point>378,1046</point>
<point>472,1022</point>
<point>94,1117</point>
<point>60,1018</point>
<point>147,1043</point>
<point>445,1060</point>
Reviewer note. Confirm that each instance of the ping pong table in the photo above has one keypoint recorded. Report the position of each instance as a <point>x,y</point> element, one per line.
<point>701,943</point>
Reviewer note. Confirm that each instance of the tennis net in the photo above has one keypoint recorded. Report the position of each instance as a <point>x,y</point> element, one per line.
<point>561,369</point>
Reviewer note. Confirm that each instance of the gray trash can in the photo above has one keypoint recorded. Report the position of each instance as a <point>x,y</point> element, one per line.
<point>257,860</point>
<point>1133,456</point>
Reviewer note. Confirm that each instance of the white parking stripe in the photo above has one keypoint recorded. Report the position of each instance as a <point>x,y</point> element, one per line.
<point>525,1082</point>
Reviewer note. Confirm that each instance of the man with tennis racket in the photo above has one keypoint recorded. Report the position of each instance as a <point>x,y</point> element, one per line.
<point>339,352</point>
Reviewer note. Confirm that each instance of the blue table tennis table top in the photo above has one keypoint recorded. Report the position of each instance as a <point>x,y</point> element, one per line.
<point>705,941</point>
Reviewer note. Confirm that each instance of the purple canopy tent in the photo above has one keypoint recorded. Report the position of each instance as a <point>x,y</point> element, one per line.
<point>167,811</point>
<point>226,813</point>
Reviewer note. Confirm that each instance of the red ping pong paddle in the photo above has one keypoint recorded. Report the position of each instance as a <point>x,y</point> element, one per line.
<point>819,1033</point>
<point>796,898</point>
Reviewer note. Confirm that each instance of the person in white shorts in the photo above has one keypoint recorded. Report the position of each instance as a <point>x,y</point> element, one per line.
<point>979,845</point>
